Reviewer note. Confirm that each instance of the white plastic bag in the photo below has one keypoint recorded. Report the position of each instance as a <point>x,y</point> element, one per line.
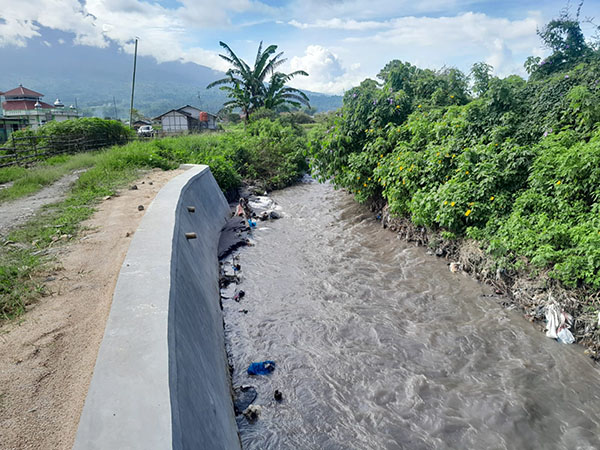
<point>565,336</point>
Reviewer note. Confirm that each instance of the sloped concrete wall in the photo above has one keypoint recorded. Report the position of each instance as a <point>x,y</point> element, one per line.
<point>161,377</point>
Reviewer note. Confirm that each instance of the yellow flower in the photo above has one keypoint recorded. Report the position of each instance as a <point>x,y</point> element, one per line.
<point>453,203</point>
<point>467,212</point>
<point>439,161</point>
<point>379,179</point>
<point>369,179</point>
<point>471,204</point>
<point>398,158</point>
<point>358,177</point>
<point>437,154</point>
<point>446,202</point>
<point>558,182</point>
<point>467,172</point>
<point>359,191</point>
<point>401,168</point>
<point>403,181</point>
<point>381,156</point>
<point>419,106</point>
<point>492,198</point>
<point>397,106</point>
<point>384,184</point>
<point>454,155</point>
<point>452,96</point>
<point>365,184</point>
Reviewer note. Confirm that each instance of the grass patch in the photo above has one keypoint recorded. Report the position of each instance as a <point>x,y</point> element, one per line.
<point>29,181</point>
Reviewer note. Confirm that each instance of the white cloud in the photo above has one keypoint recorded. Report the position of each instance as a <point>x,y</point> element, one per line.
<point>454,41</point>
<point>164,33</point>
<point>341,24</point>
<point>325,70</point>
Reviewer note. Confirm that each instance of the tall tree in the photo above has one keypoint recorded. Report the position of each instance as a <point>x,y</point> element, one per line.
<point>246,86</point>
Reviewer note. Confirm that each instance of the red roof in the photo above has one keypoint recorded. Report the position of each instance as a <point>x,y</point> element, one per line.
<point>23,104</point>
<point>22,92</point>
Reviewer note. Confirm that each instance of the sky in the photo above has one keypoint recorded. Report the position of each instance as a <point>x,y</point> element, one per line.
<point>338,42</point>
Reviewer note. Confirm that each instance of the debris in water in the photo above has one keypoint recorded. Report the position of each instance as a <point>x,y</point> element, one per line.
<point>243,397</point>
<point>455,267</point>
<point>558,323</point>
<point>261,368</point>
<point>278,395</point>
<point>252,412</point>
<point>140,207</point>
<point>239,295</point>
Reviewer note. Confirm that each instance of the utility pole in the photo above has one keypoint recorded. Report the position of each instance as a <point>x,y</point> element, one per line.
<point>133,84</point>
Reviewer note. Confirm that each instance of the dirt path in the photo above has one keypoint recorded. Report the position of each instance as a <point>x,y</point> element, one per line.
<point>47,357</point>
<point>17,212</point>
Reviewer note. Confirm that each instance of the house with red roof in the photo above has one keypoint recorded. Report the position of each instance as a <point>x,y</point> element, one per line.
<point>27,106</point>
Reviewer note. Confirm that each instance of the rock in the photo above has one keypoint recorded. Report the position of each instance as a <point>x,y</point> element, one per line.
<point>133,188</point>
<point>140,207</point>
<point>245,311</point>
<point>274,215</point>
<point>150,183</point>
<point>108,197</point>
<point>277,395</point>
<point>440,252</point>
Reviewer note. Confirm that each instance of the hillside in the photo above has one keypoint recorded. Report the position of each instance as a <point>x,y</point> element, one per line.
<point>91,76</point>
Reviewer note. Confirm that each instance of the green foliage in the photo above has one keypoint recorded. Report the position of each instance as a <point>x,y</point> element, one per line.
<point>517,169</point>
<point>247,88</point>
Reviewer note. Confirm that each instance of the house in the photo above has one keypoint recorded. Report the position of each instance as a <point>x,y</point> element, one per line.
<point>27,105</point>
<point>187,119</point>
<point>8,125</point>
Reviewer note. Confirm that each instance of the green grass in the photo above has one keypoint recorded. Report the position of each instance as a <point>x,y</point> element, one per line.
<point>29,181</point>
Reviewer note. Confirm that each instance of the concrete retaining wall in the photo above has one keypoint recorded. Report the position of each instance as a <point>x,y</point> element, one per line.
<point>161,378</point>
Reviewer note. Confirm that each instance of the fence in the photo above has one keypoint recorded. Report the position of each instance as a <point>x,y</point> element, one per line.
<point>27,150</point>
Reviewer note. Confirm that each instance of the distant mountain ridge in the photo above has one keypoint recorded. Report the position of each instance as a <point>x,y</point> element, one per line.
<point>90,77</point>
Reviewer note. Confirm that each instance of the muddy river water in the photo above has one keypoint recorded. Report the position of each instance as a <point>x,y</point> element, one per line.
<point>379,346</point>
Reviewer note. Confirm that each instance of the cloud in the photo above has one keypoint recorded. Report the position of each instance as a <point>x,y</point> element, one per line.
<point>454,41</point>
<point>166,34</point>
<point>341,24</point>
<point>325,70</point>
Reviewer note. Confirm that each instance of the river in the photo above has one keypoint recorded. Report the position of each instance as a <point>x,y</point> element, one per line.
<point>379,346</point>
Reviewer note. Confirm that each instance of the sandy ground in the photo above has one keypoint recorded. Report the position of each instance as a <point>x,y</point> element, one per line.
<point>47,357</point>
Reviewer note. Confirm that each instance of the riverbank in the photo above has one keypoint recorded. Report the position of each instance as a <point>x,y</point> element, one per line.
<point>532,293</point>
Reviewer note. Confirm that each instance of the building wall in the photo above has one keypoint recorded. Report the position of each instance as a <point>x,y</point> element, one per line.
<point>174,122</point>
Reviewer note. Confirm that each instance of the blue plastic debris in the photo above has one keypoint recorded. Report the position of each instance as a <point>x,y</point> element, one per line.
<point>261,368</point>
<point>252,223</point>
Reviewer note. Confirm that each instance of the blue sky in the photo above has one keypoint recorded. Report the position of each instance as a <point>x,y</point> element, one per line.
<point>338,42</point>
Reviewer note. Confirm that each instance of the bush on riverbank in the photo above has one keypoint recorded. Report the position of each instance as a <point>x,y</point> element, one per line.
<point>517,168</point>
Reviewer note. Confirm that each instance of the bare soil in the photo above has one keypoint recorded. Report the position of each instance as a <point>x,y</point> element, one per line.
<point>47,356</point>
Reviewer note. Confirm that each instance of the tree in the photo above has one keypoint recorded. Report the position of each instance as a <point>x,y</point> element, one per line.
<point>481,74</point>
<point>247,88</point>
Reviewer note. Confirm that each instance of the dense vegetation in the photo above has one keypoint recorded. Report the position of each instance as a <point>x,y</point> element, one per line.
<point>267,153</point>
<point>511,163</point>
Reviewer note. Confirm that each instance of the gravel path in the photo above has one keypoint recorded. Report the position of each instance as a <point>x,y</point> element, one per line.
<point>17,212</point>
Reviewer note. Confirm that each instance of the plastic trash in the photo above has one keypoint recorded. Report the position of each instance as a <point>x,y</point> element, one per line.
<point>565,336</point>
<point>558,323</point>
<point>261,368</point>
<point>252,223</point>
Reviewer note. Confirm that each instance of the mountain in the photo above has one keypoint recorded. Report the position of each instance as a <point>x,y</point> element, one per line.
<point>90,77</point>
